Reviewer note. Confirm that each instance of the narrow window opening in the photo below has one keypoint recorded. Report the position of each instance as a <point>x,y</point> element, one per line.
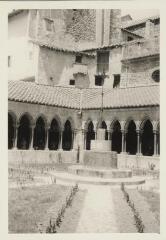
<point>78,59</point>
<point>129,39</point>
<point>49,24</point>
<point>116,83</point>
<point>9,61</point>
<point>72,82</point>
<point>98,80</point>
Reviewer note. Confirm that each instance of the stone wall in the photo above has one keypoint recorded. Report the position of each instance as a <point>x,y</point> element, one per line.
<point>139,72</point>
<point>41,157</point>
<point>18,157</point>
<point>135,161</point>
<point>57,68</point>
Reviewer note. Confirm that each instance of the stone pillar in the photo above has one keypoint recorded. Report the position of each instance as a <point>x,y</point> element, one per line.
<point>157,146</point>
<point>110,138</point>
<point>148,29</point>
<point>32,136</point>
<point>138,142</point>
<point>123,141</point>
<point>74,133</point>
<point>155,142</point>
<point>47,137</point>
<point>16,137</point>
<point>61,138</point>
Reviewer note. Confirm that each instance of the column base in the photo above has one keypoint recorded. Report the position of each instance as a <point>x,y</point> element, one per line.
<point>123,153</point>
<point>138,154</point>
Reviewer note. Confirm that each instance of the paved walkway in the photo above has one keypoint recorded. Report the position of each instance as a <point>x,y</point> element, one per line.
<point>98,212</point>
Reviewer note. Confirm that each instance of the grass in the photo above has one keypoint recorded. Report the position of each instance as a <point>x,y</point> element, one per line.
<point>31,205</point>
<point>124,215</point>
<point>153,200</point>
<point>72,214</point>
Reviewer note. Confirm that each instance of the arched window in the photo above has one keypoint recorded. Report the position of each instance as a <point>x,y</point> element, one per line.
<point>39,135</point>
<point>117,137</point>
<point>54,135</point>
<point>11,131</point>
<point>67,140</point>
<point>24,133</point>
<point>156,75</point>
<point>131,138</point>
<point>147,139</point>
<point>90,135</point>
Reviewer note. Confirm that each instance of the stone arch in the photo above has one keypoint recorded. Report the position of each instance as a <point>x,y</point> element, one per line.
<point>67,139</point>
<point>72,123</point>
<point>12,120</point>
<point>113,122</point>
<point>143,121</point>
<point>131,137</point>
<point>90,135</point>
<point>39,139</point>
<point>116,136</point>
<point>104,126</point>
<point>43,117</point>
<point>127,122</point>
<point>147,138</point>
<point>54,135</point>
<point>24,131</point>
<point>85,127</point>
<point>58,119</point>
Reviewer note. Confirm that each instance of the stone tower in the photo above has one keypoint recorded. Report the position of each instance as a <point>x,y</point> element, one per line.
<point>108,23</point>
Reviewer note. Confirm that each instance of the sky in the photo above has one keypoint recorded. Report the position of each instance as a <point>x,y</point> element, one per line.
<point>140,13</point>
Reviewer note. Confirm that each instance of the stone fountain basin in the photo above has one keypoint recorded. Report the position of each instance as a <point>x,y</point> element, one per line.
<point>83,170</point>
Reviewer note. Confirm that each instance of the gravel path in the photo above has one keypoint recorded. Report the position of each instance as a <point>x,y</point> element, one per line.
<point>98,212</point>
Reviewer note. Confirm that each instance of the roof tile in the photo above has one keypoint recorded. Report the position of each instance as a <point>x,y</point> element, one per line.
<point>91,97</point>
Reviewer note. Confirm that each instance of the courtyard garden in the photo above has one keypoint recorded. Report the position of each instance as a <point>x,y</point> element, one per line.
<point>37,204</point>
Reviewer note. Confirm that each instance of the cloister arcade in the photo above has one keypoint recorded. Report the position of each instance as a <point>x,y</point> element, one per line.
<point>130,136</point>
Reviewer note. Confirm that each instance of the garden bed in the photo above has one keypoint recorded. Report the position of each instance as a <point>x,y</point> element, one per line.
<point>28,207</point>
<point>144,208</point>
<point>124,215</point>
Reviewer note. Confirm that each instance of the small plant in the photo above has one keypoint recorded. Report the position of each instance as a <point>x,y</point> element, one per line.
<point>51,228</point>
<point>138,221</point>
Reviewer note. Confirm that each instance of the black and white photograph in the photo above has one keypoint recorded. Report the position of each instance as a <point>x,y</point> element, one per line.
<point>83,120</point>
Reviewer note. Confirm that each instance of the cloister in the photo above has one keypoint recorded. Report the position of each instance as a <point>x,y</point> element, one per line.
<point>130,136</point>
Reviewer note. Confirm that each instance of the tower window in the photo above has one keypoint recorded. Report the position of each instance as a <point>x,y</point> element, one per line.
<point>103,62</point>
<point>78,59</point>
<point>72,82</point>
<point>49,24</point>
<point>156,76</point>
<point>129,38</point>
<point>116,83</point>
<point>9,61</point>
<point>98,80</point>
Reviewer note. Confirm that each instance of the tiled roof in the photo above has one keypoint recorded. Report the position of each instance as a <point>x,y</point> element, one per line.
<point>134,34</point>
<point>139,21</point>
<point>70,97</point>
<point>41,94</point>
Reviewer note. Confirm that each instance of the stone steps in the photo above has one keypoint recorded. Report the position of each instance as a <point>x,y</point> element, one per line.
<point>62,177</point>
<point>82,170</point>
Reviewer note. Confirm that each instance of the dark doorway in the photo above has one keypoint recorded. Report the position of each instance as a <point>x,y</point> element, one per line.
<point>67,137</point>
<point>117,138</point>
<point>147,139</point>
<point>10,132</point>
<point>24,133</point>
<point>54,135</point>
<point>90,135</point>
<point>39,135</point>
<point>131,139</point>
